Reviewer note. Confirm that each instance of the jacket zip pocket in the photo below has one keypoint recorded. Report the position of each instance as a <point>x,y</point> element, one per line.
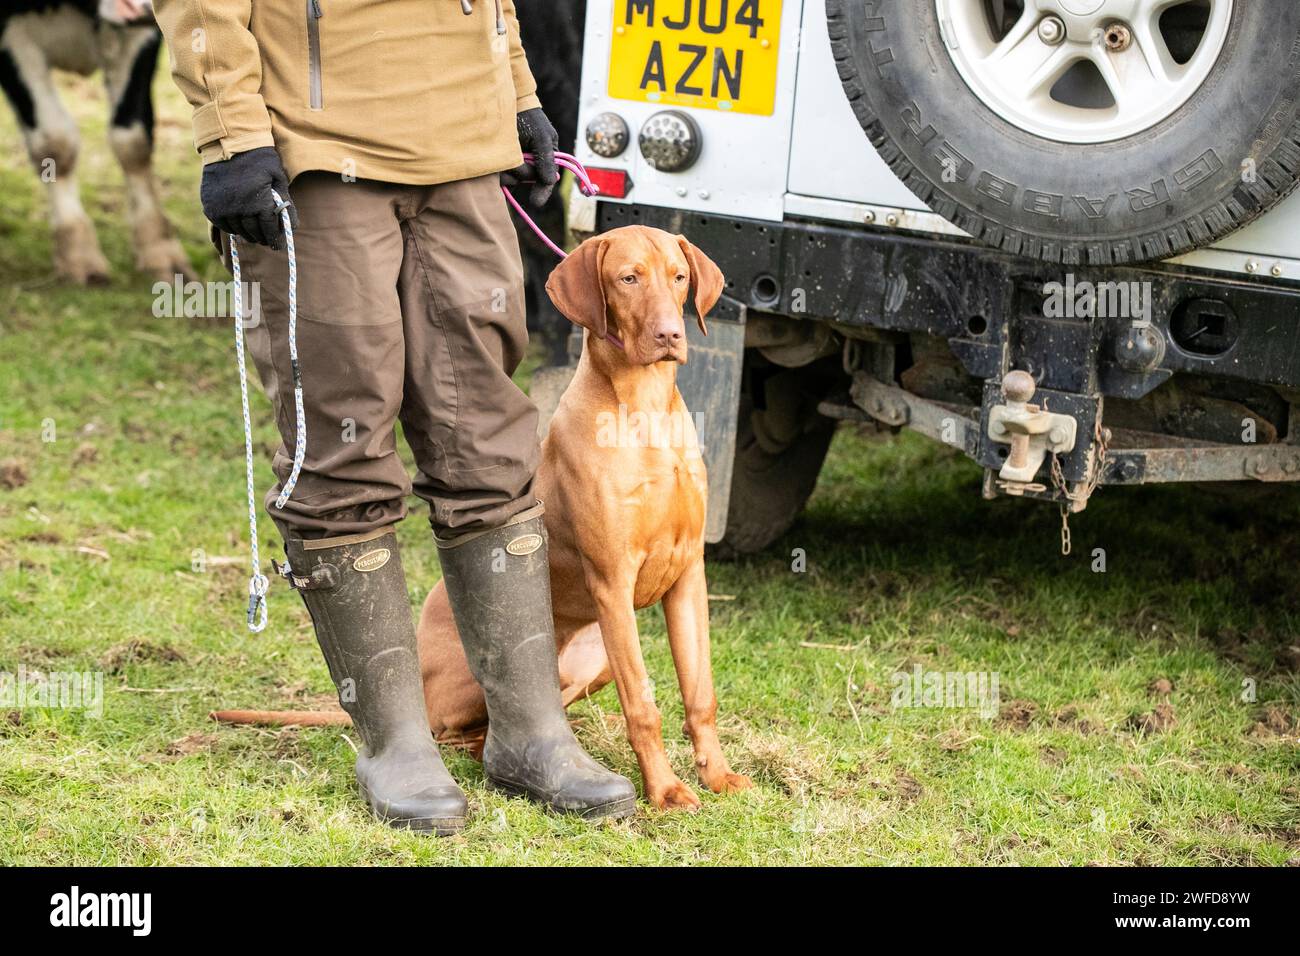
<point>314,14</point>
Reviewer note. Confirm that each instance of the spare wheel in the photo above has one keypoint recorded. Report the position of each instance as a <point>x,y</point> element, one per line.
<point>1080,131</point>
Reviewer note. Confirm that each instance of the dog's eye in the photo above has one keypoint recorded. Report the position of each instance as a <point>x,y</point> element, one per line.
<point>628,279</point>
<point>681,277</point>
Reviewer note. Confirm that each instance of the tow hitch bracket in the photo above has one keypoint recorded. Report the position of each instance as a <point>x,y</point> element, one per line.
<point>1031,431</point>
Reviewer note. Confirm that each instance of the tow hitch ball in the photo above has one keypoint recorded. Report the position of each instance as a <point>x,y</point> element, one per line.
<point>1031,431</point>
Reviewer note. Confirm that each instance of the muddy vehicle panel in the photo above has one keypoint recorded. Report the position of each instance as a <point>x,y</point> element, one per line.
<point>1057,235</point>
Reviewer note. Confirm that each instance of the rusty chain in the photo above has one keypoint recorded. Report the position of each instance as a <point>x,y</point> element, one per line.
<point>1084,489</point>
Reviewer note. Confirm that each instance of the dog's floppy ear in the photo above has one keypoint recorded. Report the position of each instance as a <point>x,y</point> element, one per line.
<point>706,279</point>
<point>577,288</point>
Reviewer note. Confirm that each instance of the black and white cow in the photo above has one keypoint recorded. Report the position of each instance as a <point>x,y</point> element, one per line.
<point>80,36</point>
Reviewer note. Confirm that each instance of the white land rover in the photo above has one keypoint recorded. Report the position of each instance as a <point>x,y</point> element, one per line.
<point>1031,229</point>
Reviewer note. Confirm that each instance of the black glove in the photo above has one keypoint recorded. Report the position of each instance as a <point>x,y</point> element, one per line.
<point>236,196</point>
<point>536,136</point>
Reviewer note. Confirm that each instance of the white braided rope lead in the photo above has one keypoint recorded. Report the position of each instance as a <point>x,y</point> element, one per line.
<point>300,417</point>
<point>257,582</point>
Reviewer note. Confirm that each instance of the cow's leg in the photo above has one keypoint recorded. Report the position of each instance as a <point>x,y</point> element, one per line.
<point>129,56</point>
<point>52,141</point>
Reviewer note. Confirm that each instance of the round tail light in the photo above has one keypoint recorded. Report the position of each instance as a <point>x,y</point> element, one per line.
<point>670,141</point>
<point>607,135</point>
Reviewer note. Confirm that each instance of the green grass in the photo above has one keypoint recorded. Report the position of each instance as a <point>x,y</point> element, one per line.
<point>906,566</point>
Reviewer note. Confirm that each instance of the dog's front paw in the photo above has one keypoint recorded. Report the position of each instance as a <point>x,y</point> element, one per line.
<point>674,795</point>
<point>729,782</point>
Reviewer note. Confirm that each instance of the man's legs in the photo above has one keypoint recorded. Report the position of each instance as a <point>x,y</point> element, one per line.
<point>338,524</point>
<point>474,436</point>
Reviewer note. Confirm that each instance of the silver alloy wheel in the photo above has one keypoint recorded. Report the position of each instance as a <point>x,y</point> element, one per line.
<point>1019,74</point>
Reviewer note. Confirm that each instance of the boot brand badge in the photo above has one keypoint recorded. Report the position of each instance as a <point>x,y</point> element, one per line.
<point>372,560</point>
<point>525,544</point>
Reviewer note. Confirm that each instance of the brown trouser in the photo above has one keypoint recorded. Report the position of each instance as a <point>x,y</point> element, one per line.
<point>410,309</point>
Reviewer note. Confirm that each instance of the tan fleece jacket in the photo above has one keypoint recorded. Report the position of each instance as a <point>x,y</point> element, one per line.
<point>402,91</point>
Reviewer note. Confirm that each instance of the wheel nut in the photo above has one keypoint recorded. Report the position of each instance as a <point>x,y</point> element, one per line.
<point>1051,30</point>
<point>1118,38</point>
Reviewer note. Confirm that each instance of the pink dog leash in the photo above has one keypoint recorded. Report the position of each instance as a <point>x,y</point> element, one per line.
<point>564,161</point>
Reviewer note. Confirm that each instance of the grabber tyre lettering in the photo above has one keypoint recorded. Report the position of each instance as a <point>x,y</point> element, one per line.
<point>1000,130</point>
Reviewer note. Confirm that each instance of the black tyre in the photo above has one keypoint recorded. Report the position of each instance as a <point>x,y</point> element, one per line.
<point>1201,133</point>
<point>781,442</point>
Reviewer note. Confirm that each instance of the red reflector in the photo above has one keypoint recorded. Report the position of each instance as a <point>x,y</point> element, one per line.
<point>612,183</point>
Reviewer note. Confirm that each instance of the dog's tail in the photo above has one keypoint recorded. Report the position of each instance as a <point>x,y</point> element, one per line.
<point>471,740</point>
<point>284,718</point>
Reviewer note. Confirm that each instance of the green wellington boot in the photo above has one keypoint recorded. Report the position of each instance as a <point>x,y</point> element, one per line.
<point>355,590</point>
<point>500,590</point>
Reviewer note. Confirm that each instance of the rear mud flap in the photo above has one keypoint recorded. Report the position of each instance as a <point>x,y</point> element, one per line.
<point>710,386</point>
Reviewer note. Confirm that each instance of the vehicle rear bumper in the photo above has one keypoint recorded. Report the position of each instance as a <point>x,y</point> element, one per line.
<point>992,309</point>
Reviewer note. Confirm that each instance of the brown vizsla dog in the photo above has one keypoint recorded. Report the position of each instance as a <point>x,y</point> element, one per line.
<point>624,488</point>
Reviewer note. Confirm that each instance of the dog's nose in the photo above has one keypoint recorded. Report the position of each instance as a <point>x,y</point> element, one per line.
<point>668,333</point>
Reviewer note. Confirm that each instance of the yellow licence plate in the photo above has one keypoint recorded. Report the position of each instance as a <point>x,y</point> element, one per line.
<point>712,54</point>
